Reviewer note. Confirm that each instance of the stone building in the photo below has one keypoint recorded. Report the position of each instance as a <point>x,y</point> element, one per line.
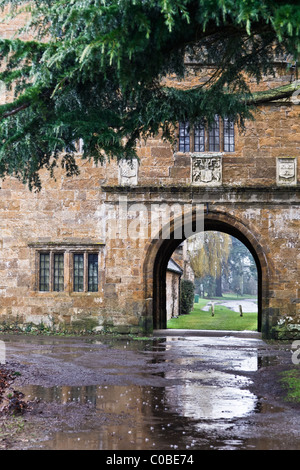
<point>173,279</point>
<point>181,256</point>
<point>179,267</point>
<point>87,251</point>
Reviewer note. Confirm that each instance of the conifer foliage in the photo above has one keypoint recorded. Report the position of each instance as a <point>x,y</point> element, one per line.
<point>95,70</point>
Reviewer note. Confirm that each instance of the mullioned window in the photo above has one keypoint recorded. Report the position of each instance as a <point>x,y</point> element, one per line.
<point>218,137</point>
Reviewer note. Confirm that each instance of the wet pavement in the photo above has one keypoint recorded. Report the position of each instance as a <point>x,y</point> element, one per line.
<point>171,391</point>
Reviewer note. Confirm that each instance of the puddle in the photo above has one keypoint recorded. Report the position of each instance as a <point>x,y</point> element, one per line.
<point>147,417</point>
<point>189,416</point>
<point>205,402</point>
<point>163,394</point>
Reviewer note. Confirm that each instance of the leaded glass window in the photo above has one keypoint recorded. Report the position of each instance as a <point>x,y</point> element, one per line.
<point>57,267</point>
<point>78,272</point>
<point>199,138</point>
<point>44,283</point>
<point>58,272</point>
<point>92,272</point>
<point>214,135</point>
<point>228,133</point>
<point>217,137</point>
<point>184,137</point>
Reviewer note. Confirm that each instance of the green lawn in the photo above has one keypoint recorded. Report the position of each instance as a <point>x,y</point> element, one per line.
<point>291,382</point>
<point>224,319</point>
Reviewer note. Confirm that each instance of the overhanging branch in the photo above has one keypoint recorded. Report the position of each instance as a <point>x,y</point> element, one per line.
<point>14,111</point>
<point>274,94</point>
<point>256,99</point>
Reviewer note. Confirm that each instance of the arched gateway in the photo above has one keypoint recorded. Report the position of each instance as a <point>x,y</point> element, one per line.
<point>160,251</point>
<point>265,220</point>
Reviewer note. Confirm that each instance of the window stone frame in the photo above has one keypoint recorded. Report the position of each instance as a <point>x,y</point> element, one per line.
<point>68,249</point>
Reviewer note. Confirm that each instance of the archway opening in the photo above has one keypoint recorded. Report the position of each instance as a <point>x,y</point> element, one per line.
<point>167,248</point>
<point>211,284</point>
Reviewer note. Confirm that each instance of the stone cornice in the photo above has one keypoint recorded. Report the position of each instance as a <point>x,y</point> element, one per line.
<point>221,194</point>
<point>182,188</point>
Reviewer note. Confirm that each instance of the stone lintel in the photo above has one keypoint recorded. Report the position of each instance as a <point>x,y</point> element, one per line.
<point>65,245</point>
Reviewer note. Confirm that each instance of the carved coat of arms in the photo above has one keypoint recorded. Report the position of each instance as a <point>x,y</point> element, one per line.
<point>128,172</point>
<point>207,170</point>
<point>286,171</point>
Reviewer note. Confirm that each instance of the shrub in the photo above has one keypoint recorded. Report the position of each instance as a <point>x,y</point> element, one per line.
<point>187,290</point>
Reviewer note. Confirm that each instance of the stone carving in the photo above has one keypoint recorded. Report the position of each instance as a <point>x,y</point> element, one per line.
<point>128,172</point>
<point>286,171</point>
<point>206,169</point>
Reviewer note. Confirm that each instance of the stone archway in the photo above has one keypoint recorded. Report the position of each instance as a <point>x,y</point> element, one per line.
<point>160,251</point>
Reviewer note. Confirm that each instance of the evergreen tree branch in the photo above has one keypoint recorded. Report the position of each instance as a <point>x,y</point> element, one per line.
<point>14,111</point>
<point>274,94</point>
<point>95,70</point>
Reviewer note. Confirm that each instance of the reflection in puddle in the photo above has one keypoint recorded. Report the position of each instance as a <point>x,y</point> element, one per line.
<point>205,402</point>
<point>200,396</point>
<point>220,396</point>
<point>148,417</point>
<point>213,403</point>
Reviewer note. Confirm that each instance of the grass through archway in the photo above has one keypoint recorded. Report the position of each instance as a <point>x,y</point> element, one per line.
<point>160,254</point>
<point>223,318</point>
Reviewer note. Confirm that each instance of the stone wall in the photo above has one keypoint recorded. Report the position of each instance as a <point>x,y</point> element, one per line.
<point>254,195</point>
<point>69,215</point>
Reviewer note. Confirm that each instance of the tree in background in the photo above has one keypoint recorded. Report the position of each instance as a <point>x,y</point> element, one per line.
<point>242,271</point>
<point>209,252</point>
<point>221,262</point>
<point>187,291</point>
<point>96,69</point>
